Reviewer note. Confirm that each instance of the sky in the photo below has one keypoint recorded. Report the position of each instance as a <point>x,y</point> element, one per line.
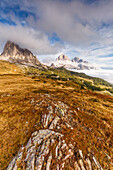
<point>82,28</point>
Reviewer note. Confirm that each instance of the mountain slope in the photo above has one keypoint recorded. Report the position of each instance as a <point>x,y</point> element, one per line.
<point>9,68</point>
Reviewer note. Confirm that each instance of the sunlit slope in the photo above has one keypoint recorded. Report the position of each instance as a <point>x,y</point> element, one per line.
<point>86,82</point>
<point>9,68</point>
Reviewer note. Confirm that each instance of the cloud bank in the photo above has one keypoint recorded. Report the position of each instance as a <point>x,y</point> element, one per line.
<point>27,37</point>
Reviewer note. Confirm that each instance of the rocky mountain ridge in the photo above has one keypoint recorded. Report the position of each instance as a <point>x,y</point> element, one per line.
<point>13,53</point>
<point>76,63</point>
<point>63,57</point>
<point>78,60</point>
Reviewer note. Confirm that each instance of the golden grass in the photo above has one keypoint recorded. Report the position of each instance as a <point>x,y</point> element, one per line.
<point>19,118</point>
<point>8,68</point>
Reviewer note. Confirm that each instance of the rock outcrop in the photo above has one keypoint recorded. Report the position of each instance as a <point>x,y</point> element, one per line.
<point>49,147</point>
<point>13,53</point>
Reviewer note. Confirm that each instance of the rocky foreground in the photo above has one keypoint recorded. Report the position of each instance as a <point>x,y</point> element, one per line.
<point>50,147</point>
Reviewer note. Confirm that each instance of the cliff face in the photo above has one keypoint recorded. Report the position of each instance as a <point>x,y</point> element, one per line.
<point>14,53</point>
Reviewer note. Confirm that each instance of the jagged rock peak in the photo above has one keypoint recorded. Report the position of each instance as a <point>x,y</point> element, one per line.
<point>78,60</point>
<point>63,57</point>
<point>14,53</point>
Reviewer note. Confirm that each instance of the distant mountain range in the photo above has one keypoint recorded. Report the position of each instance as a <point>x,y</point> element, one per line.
<point>13,53</point>
<point>76,63</point>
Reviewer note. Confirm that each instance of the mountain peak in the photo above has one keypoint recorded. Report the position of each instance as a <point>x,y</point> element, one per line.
<point>63,57</point>
<point>75,64</point>
<point>75,59</point>
<point>14,53</point>
<point>78,60</point>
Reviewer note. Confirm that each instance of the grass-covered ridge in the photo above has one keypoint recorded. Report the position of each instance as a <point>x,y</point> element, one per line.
<point>85,81</point>
<point>59,73</point>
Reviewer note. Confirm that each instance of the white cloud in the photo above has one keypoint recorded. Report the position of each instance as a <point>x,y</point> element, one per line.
<point>74,22</point>
<point>27,37</point>
<point>60,17</point>
<point>106,59</point>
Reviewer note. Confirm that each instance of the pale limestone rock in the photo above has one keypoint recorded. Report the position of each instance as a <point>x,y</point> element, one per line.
<point>88,165</point>
<point>11,165</point>
<point>81,164</point>
<point>41,143</point>
<point>76,166</point>
<point>49,162</point>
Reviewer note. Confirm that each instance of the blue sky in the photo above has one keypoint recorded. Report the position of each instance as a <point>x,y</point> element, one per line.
<point>82,28</point>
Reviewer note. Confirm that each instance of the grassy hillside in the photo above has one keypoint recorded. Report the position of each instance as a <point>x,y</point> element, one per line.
<point>9,68</point>
<point>92,83</point>
<point>19,116</point>
<point>86,82</point>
